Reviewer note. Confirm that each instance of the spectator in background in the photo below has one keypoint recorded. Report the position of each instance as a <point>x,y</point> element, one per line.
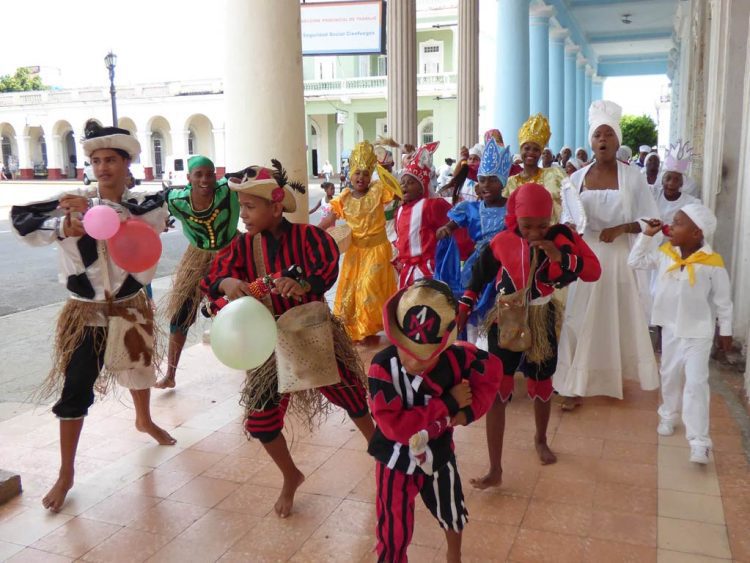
<point>643,151</point>
<point>548,158</point>
<point>445,172</point>
<point>582,155</point>
<point>624,154</point>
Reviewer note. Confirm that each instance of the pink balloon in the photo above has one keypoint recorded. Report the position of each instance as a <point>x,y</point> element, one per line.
<point>101,222</point>
<point>136,247</point>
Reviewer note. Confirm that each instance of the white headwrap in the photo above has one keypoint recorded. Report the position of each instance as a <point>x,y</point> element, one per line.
<point>624,153</point>
<point>477,150</point>
<point>604,112</point>
<point>644,148</point>
<point>702,216</point>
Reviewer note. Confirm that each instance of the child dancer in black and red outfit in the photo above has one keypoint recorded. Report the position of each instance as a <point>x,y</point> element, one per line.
<point>301,264</point>
<point>562,257</point>
<point>417,390</point>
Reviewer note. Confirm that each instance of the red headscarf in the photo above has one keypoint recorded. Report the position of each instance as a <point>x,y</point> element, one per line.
<point>528,200</point>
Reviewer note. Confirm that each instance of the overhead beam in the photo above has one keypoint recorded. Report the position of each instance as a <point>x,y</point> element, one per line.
<point>627,65</point>
<point>618,37</point>
<point>591,3</point>
<point>562,15</point>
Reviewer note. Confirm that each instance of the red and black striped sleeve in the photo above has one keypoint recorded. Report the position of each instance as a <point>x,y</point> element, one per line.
<point>394,420</point>
<point>578,260</point>
<point>230,262</point>
<point>322,258</point>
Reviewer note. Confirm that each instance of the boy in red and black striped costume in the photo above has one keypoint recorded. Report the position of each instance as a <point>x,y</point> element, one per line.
<point>414,386</point>
<point>301,264</point>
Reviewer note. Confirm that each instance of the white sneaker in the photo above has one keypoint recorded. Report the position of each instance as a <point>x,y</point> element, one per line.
<point>699,454</point>
<point>665,428</point>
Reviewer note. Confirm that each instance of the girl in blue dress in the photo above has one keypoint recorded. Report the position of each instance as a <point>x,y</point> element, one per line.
<point>483,219</point>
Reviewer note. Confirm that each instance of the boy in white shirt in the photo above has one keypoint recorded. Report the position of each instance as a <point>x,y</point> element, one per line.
<point>692,292</point>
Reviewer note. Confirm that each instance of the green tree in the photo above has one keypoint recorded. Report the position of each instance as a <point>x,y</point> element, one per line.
<point>21,81</point>
<point>638,130</point>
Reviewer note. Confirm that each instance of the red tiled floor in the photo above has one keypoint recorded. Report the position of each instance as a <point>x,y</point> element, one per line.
<point>211,497</point>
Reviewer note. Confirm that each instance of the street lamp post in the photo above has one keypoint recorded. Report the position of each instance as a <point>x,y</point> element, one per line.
<point>110,61</point>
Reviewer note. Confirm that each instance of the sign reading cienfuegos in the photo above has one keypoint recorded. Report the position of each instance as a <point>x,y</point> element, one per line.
<point>343,28</point>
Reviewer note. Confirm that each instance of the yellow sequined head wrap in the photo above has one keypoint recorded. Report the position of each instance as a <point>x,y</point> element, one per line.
<point>535,130</point>
<point>363,157</point>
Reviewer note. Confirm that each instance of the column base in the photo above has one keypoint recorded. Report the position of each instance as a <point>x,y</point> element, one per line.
<point>54,174</point>
<point>26,173</point>
<point>148,172</point>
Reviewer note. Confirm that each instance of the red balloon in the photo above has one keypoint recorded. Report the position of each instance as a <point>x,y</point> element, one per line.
<point>135,247</point>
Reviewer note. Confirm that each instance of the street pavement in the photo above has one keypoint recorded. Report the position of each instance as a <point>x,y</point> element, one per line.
<point>32,295</point>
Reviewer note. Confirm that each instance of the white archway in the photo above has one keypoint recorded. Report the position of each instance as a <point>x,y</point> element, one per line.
<point>161,143</point>
<point>200,136</point>
<point>67,156</point>
<point>37,150</point>
<point>8,148</point>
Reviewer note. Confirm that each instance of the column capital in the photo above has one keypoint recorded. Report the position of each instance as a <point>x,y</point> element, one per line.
<point>597,79</point>
<point>541,14</point>
<point>589,70</point>
<point>558,34</point>
<point>572,50</point>
<point>581,60</point>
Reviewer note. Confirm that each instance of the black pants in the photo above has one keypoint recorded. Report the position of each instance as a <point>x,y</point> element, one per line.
<point>80,375</point>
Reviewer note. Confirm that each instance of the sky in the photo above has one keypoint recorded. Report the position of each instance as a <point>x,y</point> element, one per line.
<point>155,40</point>
<point>162,40</point>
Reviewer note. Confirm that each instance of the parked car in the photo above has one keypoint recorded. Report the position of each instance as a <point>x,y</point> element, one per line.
<point>175,171</point>
<point>137,172</point>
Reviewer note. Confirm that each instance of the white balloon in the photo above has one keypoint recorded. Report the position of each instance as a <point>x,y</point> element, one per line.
<point>243,335</point>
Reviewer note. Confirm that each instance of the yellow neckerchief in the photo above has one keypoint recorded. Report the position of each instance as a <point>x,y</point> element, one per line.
<point>699,257</point>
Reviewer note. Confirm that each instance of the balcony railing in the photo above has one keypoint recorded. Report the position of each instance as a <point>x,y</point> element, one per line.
<point>366,86</point>
<point>94,94</point>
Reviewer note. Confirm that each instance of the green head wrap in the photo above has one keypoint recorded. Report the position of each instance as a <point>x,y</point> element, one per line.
<point>196,161</point>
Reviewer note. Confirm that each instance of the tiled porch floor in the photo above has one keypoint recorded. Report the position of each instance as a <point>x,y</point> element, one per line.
<point>616,494</point>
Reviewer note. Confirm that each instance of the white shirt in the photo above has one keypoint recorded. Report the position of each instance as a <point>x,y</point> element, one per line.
<point>41,223</point>
<point>690,311</point>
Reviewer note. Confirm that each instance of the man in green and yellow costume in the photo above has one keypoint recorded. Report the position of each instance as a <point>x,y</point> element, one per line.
<point>209,213</point>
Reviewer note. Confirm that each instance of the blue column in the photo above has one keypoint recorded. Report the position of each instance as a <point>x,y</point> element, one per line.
<point>587,102</point>
<point>557,88</point>
<point>512,78</point>
<point>597,88</point>
<point>580,101</point>
<point>569,137</point>
<point>539,60</point>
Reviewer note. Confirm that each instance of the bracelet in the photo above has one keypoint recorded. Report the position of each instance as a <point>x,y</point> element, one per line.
<point>260,287</point>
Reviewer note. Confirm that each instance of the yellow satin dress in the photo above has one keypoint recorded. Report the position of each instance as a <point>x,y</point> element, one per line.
<point>367,277</point>
<point>551,178</point>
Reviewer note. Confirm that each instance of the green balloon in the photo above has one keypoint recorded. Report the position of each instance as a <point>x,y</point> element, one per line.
<point>243,335</point>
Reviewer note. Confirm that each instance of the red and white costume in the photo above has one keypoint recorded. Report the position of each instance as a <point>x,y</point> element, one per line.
<point>417,222</point>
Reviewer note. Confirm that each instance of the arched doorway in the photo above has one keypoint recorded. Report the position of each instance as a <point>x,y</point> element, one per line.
<point>64,158</point>
<point>9,150</point>
<point>161,144</point>
<point>200,136</point>
<point>425,131</point>
<point>314,148</point>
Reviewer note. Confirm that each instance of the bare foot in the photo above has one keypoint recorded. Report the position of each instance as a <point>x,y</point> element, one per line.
<point>156,432</point>
<point>545,454</point>
<point>55,498</point>
<point>283,506</point>
<point>166,382</point>
<point>571,403</point>
<point>492,479</point>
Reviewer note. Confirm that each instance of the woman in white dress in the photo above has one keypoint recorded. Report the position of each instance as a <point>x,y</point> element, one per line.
<point>605,336</point>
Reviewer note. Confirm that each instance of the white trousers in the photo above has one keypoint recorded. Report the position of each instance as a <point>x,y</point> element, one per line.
<point>684,383</point>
